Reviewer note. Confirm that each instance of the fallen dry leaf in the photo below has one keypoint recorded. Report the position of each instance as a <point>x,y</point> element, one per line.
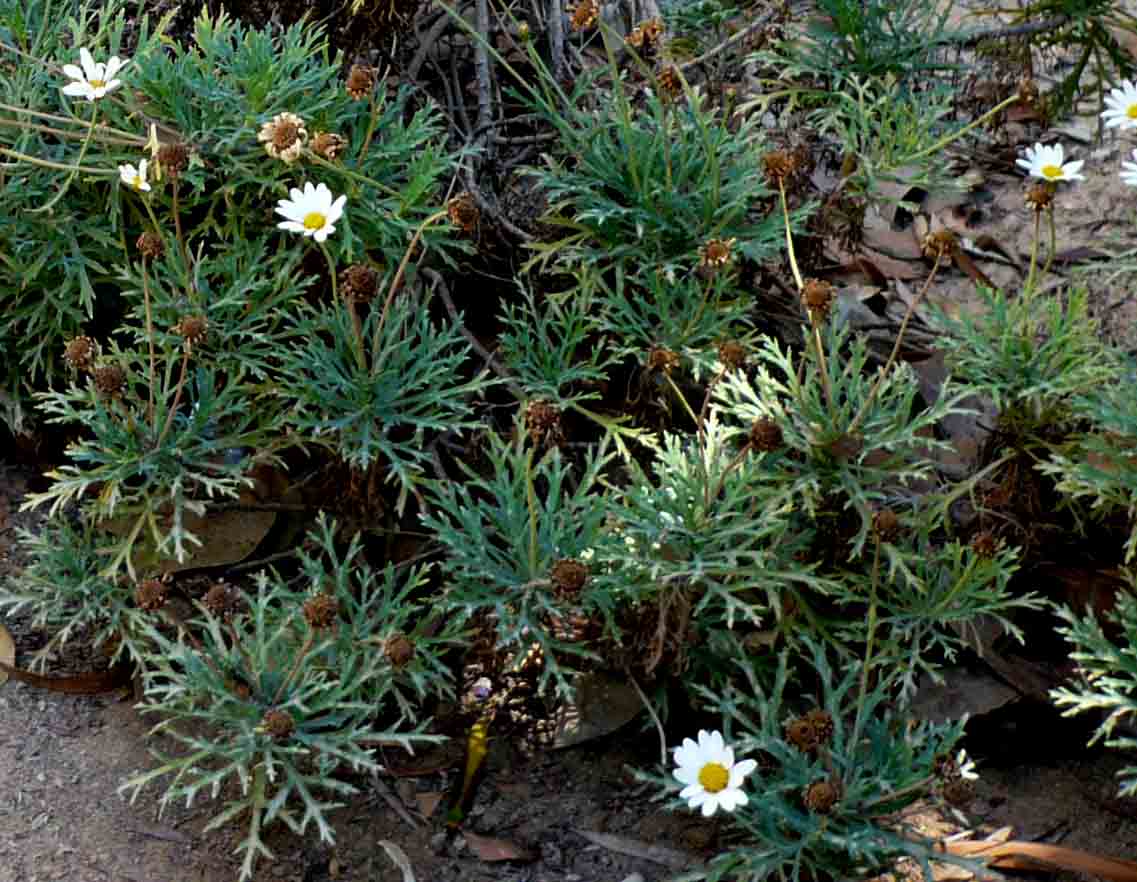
<point>601,705</point>
<point>7,652</point>
<point>489,849</point>
<point>400,858</point>
<point>657,854</point>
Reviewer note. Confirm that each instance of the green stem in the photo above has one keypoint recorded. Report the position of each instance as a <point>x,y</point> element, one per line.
<point>60,166</point>
<point>789,237</point>
<point>177,395</point>
<point>531,501</point>
<point>370,128</point>
<point>1053,243</point>
<point>56,117</point>
<point>63,133</point>
<point>348,173</point>
<point>869,646</point>
<point>954,136</point>
<point>150,342</point>
<point>1028,288</point>
<point>78,164</point>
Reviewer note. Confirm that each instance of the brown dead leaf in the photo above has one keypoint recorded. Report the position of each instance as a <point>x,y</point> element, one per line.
<point>428,802</point>
<point>7,652</point>
<point>657,854</point>
<point>489,849</point>
<point>1016,855</point>
<point>601,704</point>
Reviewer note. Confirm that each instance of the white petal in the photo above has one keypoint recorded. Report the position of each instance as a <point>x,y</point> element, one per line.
<point>686,774</point>
<point>291,225</point>
<point>739,772</point>
<point>691,790</point>
<point>74,71</point>
<point>79,90</point>
<point>322,233</point>
<point>114,65</point>
<point>727,757</point>
<point>88,63</point>
<point>716,742</point>
<point>335,210</point>
<point>732,799</point>
<point>710,805</point>
<point>1072,169</point>
<point>112,85</point>
<point>685,753</point>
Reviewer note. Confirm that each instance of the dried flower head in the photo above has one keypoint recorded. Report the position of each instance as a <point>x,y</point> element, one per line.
<point>1040,196</point>
<point>568,577</point>
<point>543,420</point>
<point>109,379</point>
<point>652,30</point>
<point>716,253</point>
<point>328,145</point>
<point>765,435</point>
<point>150,594</point>
<point>822,722</point>
<point>463,212</point>
<point>284,137</point>
<point>778,165</point>
<point>585,15</point>
<point>732,354</point>
<point>941,244</point>
<point>958,792</point>
<point>821,796</point>
<point>670,81</point>
<point>360,81</point>
<point>985,544</point>
<point>817,297</point>
<point>193,329</point>
<point>222,600</point>
<point>359,283</point>
<point>662,360</point>
<point>321,611</point>
<point>81,353</point>
<point>635,38</point>
<point>886,525</point>
<point>173,158</point>
<point>399,650</point>
<point>1028,92</point>
<point>150,245</point>
<point>277,724</point>
<point>801,733</point>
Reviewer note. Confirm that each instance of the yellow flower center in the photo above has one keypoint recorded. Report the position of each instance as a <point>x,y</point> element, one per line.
<point>97,84</point>
<point>714,777</point>
<point>1131,111</point>
<point>137,182</point>
<point>313,220</point>
<point>1051,172</point>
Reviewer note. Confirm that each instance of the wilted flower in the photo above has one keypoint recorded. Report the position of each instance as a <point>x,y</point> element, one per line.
<point>81,353</point>
<point>817,296</point>
<point>193,329</point>
<point>716,253</point>
<point>94,79</point>
<point>284,137</point>
<point>670,83</point>
<point>359,283</point>
<point>360,81</point>
<point>1121,107</point>
<point>109,380</point>
<point>1047,161</point>
<point>328,145</point>
<point>173,158</point>
<point>399,650</point>
<point>713,779</point>
<point>1040,196</point>
<point>311,211</point>
<point>585,15</point>
<point>463,212</point>
<point>277,724</point>
<point>135,176</point>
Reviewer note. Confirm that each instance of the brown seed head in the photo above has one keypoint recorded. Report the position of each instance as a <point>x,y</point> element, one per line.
<point>284,137</point>
<point>716,253</point>
<point>886,525</point>
<point>463,212</point>
<point>958,792</point>
<point>585,15</point>
<point>543,420</point>
<point>109,380</point>
<point>568,577</point>
<point>817,297</point>
<point>193,329</point>
<point>278,724</point>
<point>765,435</point>
<point>985,544</point>
<point>359,283</point>
<point>670,82</point>
<point>399,650</point>
<point>222,600</point>
<point>801,733</point>
<point>1040,196</point>
<point>940,244</point>
<point>822,722</point>
<point>778,166</point>
<point>80,353</point>
<point>661,359</point>
<point>328,145</point>
<point>150,245</point>
<point>1028,92</point>
<point>360,81</point>
<point>150,594</point>
<point>173,158</point>
<point>321,611</point>
<point>635,37</point>
<point>652,30</point>
<point>732,354</point>
<point>821,796</point>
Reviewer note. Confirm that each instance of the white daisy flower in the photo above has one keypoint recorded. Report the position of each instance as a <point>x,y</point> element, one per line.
<point>135,177</point>
<point>310,211</point>
<point>966,766</point>
<point>1129,171</point>
<point>711,777</point>
<point>92,80</point>
<point>1121,107</point>
<point>1048,162</point>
